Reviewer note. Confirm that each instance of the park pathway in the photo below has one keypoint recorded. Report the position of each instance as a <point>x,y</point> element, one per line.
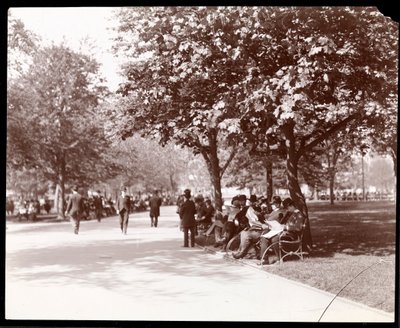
<point>146,275</point>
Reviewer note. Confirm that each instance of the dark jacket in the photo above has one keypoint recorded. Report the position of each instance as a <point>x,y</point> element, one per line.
<point>123,203</point>
<point>187,212</point>
<point>155,203</point>
<point>75,205</point>
<point>208,213</point>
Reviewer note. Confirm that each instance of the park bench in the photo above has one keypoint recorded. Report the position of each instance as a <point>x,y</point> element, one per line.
<point>288,244</point>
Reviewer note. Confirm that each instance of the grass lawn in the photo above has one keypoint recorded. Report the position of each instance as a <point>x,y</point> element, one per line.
<point>350,237</point>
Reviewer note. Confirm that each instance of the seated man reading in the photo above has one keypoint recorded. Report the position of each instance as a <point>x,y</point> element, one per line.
<point>287,227</point>
<point>250,236</point>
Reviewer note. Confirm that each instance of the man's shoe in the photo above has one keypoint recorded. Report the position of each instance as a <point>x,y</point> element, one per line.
<point>237,256</point>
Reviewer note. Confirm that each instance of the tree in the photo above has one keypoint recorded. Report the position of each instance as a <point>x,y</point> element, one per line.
<point>316,71</point>
<point>147,166</point>
<point>52,122</point>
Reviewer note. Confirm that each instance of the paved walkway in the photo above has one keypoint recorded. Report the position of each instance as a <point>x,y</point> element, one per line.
<point>102,275</point>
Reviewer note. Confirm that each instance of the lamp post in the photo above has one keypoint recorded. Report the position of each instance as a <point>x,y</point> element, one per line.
<point>362,172</point>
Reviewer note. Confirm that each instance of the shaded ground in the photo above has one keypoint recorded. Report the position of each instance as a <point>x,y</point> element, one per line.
<point>354,228</point>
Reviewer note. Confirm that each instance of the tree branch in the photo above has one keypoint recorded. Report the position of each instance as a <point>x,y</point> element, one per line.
<point>337,127</point>
<point>228,161</point>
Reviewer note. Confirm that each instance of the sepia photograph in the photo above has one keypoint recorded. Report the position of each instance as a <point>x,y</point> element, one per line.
<point>219,164</point>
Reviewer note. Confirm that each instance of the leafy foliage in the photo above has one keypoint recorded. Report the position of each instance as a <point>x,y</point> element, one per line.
<point>52,121</point>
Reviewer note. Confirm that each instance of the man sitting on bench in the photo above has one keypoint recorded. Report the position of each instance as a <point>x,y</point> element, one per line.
<point>286,227</point>
<point>250,236</point>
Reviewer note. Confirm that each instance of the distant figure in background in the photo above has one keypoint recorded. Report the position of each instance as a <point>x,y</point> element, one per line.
<point>98,204</point>
<point>10,206</point>
<point>187,212</point>
<point>179,202</point>
<point>123,206</point>
<point>75,209</point>
<point>155,203</point>
<point>47,206</point>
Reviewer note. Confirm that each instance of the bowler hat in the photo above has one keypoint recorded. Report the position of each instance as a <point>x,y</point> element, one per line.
<point>186,192</point>
<point>242,197</point>
<point>287,202</point>
<point>276,200</point>
<point>253,198</point>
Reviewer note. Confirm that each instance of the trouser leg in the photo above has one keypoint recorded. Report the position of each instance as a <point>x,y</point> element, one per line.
<point>125,222</point>
<point>264,243</point>
<point>217,233</point>
<point>121,221</point>
<point>248,239</point>
<point>185,236</point>
<point>75,223</point>
<point>275,247</point>
<point>155,221</point>
<point>243,237</point>
<point>192,235</point>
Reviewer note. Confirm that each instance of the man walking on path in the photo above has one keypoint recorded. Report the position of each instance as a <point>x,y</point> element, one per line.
<point>187,213</point>
<point>98,204</point>
<point>123,206</point>
<point>75,209</point>
<point>155,203</point>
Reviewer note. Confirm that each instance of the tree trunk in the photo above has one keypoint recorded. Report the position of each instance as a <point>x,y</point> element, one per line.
<point>57,198</point>
<point>393,152</point>
<point>269,181</point>
<point>172,182</point>
<point>210,156</point>
<point>214,171</point>
<point>296,194</point>
<point>61,182</point>
<point>331,187</point>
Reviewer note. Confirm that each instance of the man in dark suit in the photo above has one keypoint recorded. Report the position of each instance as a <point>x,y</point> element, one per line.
<point>155,203</point>
<point>75,209</point>
<point>98,204</point>
<point>187,213</point>
<point>123,206</point>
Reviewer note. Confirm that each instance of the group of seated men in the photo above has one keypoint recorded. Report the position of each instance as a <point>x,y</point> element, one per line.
<point>256,222</point>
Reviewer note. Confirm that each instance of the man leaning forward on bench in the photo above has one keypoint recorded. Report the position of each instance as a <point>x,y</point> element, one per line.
<point>251,236</point>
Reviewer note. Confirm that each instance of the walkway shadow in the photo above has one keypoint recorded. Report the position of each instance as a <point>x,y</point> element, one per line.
<point>95,263</point>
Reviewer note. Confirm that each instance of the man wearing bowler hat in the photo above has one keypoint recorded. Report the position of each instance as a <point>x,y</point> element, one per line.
<point>187,212</point>
<point>75,208</point>
<point>123,206</point>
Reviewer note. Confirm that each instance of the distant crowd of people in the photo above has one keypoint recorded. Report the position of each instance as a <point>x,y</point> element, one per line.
<point>354,196</point>
<point>95,205</point>
<point>28,209</point>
